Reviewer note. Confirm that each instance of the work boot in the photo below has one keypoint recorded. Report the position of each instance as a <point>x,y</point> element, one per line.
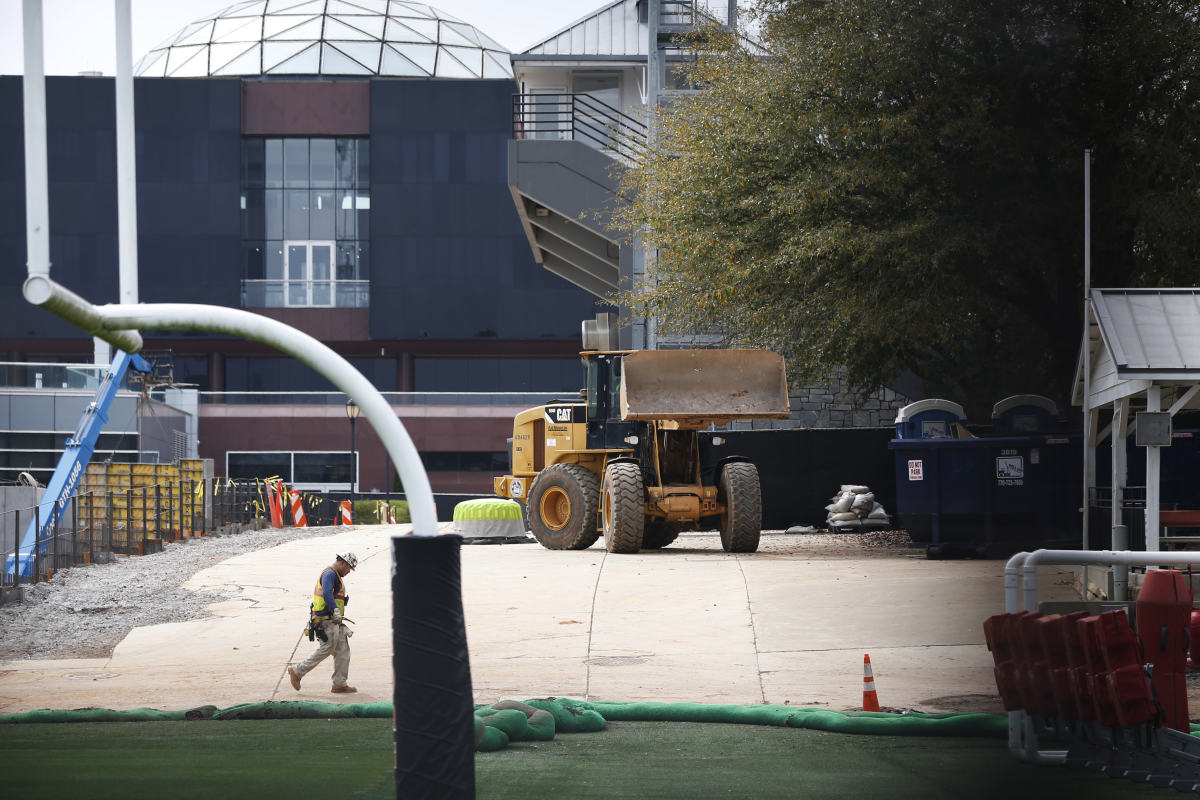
<point>343,689</point>
<point>294,678</point>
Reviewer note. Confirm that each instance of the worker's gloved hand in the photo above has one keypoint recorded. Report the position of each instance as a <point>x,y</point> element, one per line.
<point>336,618</point>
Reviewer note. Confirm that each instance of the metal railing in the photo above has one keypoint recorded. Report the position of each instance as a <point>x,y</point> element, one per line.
<point>128,521</point>
<point>53,376</point>
<point>305,293</point>
<point>681,13</point>
<point>579,117</point>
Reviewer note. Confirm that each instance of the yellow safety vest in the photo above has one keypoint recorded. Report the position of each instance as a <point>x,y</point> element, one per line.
<point>339,593</point>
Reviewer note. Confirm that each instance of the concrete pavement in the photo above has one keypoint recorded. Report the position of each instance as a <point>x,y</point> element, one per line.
<point>789,624</point>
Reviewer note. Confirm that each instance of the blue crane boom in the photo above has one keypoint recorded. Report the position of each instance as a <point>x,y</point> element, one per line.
<point>71,464</point>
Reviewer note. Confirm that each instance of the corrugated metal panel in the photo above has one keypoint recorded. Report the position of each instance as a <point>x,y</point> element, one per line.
<point>1151,329</point>
<point>611,31</point>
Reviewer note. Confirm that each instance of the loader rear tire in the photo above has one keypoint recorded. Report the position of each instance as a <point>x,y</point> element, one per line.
<point>660,533</point>
<point>623,507</point>
<point>741,494</point>
<point>563,504</point>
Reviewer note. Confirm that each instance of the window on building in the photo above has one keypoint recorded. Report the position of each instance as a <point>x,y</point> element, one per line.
<point>269,373</point>
<point>305,208</point>
<point>464,461</point>
<point>311,470</point>
<point>497,375</point>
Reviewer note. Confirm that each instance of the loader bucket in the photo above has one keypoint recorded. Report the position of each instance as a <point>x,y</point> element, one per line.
<point>694,388</point>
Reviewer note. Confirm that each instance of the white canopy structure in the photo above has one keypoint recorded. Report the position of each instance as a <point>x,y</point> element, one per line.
<point>1141,358</point>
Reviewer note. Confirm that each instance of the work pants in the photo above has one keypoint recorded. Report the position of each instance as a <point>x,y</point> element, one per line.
<point>338,644</point>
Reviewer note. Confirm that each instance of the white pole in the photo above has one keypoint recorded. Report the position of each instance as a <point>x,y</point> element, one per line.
<point>1087,223</point>
<point>337,370</point>
<point>1089,424</point>
<point>126,160</point>
<point>1120,533</point>
<point>37,194</point>
<point>1153,473</point>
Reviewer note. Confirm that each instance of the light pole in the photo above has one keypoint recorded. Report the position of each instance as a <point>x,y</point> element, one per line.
<point>352,410</point>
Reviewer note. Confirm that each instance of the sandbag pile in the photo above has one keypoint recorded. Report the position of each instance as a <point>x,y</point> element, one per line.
<point>854,507</point>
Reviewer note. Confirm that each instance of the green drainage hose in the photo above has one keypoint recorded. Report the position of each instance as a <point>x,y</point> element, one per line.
<point>539,720</point>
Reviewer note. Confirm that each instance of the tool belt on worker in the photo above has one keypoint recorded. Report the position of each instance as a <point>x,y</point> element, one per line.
<point>314,629</point>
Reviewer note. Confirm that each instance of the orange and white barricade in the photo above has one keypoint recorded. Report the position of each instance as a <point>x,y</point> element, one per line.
<point>275,503</point>
<point>298,518</point>
<point>346,514</point>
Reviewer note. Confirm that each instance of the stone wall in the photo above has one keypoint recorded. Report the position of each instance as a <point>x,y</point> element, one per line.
<point>829,405</point>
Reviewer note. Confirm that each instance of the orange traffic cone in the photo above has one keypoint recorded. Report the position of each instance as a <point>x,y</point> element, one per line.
<point>870,699</point>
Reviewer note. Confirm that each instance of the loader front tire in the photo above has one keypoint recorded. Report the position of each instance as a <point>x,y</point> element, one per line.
<point>563,504</point>
<point>741,494</point>
<point>623,507</point>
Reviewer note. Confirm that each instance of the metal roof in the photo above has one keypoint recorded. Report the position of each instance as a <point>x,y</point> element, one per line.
<point>609,31</point>
<point>1151,332</point>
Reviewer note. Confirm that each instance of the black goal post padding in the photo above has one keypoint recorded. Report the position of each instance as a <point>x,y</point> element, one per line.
<point>434,709</point>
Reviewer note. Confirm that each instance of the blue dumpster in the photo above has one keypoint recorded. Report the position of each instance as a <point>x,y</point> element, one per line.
<point>987,496</point>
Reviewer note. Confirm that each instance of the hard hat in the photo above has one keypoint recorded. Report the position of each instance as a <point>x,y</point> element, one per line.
<point>349,558</point>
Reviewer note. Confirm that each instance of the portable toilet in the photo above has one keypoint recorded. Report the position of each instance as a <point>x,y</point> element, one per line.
<point>1025,414</point>
<point>929,419</point>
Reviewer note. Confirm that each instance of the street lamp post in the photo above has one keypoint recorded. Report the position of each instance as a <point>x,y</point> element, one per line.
<point>352,411</point>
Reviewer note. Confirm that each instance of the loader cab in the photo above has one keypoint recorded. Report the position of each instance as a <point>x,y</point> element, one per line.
<point>605,429</point>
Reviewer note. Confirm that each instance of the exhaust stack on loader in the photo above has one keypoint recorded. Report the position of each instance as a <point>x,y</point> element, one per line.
<point>624,460</point>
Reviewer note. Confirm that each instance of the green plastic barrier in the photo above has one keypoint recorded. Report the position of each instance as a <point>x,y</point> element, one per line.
<point>540,719</point>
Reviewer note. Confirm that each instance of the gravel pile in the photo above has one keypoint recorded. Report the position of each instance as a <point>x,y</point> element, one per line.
<point>85,611</point>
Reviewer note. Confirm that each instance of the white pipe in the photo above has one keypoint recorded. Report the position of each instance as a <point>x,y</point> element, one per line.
<point>1012,604</point>
<point>42,291</point>
<point>1126,558</point>
<point>1012,574</point>
<point>127,264</point>
<point>235,321</point>
<point>37,193</point>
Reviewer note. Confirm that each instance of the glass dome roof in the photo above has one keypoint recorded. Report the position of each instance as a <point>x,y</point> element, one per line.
<point>328,37</point>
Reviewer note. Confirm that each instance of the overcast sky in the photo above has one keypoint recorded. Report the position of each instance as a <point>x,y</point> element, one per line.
<point>79,34</point>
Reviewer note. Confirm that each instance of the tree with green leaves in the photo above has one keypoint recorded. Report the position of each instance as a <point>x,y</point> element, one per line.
<point>896,187</point>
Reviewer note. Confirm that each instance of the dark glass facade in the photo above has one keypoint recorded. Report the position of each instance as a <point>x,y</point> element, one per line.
<point>393,240</point>
<point>438,241</point>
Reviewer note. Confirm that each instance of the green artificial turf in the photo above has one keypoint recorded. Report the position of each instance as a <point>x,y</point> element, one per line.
<point>352,758</point>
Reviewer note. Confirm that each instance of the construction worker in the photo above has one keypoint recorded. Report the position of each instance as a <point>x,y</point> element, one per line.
<point>327,622</point>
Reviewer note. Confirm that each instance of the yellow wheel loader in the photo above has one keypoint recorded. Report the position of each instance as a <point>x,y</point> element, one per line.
<point>624,461</point>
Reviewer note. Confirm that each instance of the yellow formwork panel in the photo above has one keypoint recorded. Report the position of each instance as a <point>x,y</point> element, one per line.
<point>144,499</point>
